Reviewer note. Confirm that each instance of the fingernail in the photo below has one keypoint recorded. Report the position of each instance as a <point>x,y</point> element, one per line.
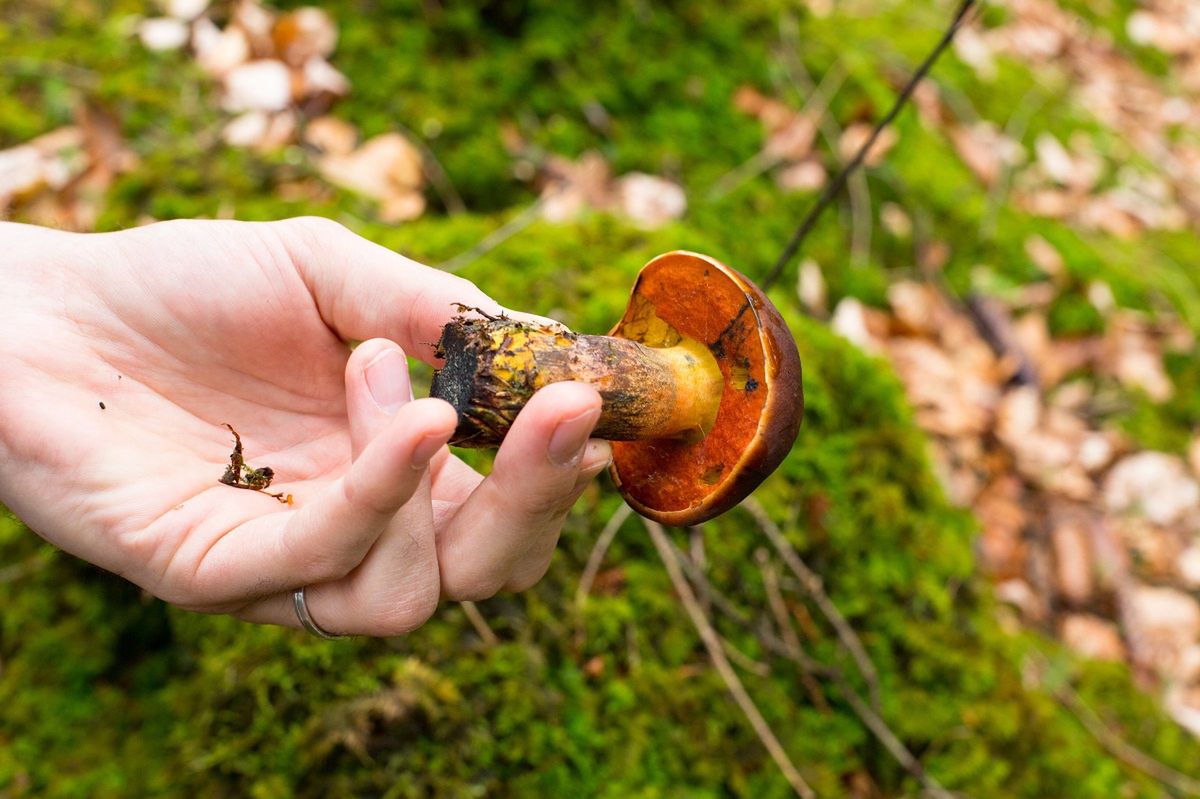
<point>570,437</point>
<point>596,458</point>
<point>387,380</point>
<point>424,451</point>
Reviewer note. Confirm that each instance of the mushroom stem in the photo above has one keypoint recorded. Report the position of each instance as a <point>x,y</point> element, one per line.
<point>494,365</point>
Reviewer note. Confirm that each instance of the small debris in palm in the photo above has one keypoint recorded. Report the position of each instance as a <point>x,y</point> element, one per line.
<point>239,474</point>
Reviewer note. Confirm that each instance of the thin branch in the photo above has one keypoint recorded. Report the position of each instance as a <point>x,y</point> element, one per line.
<point>1117,746</point>
<point>501,234</point>
<point>436,173</point>
<point>834,186</point>
<point>774,644</point>
<point>831,131</point>
<point>599,549</point>
<point>712,642</point>
<point>811,582</point>
<point>786,631</point>
<point>817,104</point>
<point>480,624</point>
<point>745,661</point>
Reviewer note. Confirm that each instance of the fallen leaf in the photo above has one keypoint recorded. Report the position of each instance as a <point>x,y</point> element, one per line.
<point>1154,485</point>
<point>331,135</point>
<point>1092,636</point>
<point>857,134</point>
<point>304,34</point>
<point>650,201</point>
<point>162,33</point>
<point>263,85</point>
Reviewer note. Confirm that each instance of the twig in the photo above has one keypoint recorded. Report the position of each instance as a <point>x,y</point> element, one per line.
<point>745,661</point>
<point>810,581</point>
<point>831,131</point>
<point>599,549</point>
<point>786,631</point>
<point>896,748</point>
<point>501,234</point>
<point>774,644</point>
<point>712,642</point>
<point>479,623</point>
<point>1117,746</point>
<point>835,185</point>
<point>698,557</point>
<point>817,104</point>
<point>436,173</point>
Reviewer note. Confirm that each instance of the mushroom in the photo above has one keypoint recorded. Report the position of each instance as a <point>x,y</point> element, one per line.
<point>700,382</point>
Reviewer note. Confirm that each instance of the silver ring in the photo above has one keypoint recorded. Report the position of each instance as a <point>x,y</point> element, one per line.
<point>306,619</point>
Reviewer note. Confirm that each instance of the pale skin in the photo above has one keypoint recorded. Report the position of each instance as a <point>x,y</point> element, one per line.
<point>180,327</point>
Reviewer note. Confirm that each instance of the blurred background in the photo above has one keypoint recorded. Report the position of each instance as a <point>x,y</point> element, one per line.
<point>995,494</point>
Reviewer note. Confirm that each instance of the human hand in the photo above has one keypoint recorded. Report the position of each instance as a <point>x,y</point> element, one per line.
<point>179,327</point>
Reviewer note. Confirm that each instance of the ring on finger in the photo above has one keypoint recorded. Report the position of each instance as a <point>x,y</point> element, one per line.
<point>306,619</point>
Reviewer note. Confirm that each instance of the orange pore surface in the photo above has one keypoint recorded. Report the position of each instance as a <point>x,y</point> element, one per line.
<point>704,300</point>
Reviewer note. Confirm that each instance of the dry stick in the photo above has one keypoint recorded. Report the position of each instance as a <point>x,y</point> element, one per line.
<point>436,173</point>
<point>745,661</point>
<point>501,234</point>
<point>764,159</point>
<point>1117,746</point>
<point>835,185</point>
<point>896,748</point>
<point>860,192</point>
<point>873,721</point>
<point>480,624</point>
<point>712,642</point>
<point>787,632</point>
<point>603,542</point>
<point>812,584</point>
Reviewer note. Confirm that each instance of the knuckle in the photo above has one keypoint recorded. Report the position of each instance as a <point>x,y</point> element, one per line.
<point>402,613</point>
<point>363,498</point>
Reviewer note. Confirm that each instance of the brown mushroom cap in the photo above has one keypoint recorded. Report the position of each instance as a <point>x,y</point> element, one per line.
<point>687,482</point>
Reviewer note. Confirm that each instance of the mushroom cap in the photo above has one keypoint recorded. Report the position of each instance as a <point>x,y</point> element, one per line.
<point>681,482</point>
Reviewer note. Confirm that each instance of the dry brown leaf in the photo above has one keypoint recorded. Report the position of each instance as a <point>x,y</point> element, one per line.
<point>387,168</point>
<point>806,175</point>
<point>1092,636</point>
<point>262,85</point>
<point>1133,356</point>
<point>857,134</point>
<point>1162,625</point>
<point>162,33</point>
<point>792,140</point>
<point>810,286</point>
<point>1002,547</point>
<point>853,321</point>
<point>985,150</point>
<point>1072,561</point>
<point>186,10</point>
<point>1153,485</point>
<point>219,51</point>
<point>331,135</point>
<point>304,34</point>
<point>1188,567</point>
<point>895,220</point>
<point>1046,257</point>
<point>649,201</point>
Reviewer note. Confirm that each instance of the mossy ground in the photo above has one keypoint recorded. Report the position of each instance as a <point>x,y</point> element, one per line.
<point>109,693</point>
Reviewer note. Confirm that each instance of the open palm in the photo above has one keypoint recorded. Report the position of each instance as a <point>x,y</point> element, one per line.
<point>123,355</point>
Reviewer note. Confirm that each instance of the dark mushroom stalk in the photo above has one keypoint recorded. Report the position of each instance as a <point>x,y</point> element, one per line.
<point>700,383</point>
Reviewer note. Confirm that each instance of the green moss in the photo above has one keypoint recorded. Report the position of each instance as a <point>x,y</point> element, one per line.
<point>109,693</point>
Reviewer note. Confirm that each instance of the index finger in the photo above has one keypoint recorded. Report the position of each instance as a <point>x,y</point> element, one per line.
<point>363,290</point>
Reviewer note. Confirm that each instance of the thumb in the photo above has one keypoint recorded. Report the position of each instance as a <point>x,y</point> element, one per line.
<point>377,386</point>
